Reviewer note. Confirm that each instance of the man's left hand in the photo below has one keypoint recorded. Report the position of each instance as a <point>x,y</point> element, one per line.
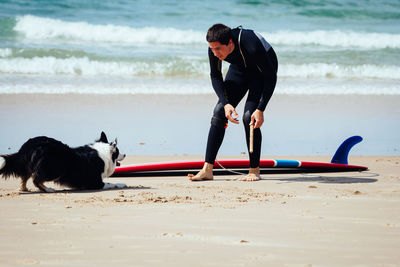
<point>257,118</point>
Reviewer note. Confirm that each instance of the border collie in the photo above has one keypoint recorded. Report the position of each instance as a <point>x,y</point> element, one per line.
<point>46,159</point>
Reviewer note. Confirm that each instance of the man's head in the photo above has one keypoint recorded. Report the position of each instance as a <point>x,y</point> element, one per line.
<point>219,38</point>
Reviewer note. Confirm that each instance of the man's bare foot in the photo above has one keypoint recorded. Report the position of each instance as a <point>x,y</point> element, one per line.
<point>204,174</point>
<point>254,175</point>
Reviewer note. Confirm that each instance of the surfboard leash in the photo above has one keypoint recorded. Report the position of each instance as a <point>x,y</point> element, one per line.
<point>232,171</point>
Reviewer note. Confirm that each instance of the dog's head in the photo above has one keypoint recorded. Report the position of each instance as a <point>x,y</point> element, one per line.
<point>109,152</point>
<point>116,156</point>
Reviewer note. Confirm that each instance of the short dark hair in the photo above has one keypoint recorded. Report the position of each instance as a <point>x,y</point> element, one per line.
<point>219,33</point>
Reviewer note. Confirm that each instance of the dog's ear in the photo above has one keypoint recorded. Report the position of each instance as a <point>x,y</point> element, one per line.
<point>103,138</point>
<point>114,144</point>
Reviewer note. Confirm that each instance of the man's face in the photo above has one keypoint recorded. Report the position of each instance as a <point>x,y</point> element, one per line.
<point>221,51</point>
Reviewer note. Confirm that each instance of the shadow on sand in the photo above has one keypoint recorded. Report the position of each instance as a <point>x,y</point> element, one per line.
<point>75,191</point>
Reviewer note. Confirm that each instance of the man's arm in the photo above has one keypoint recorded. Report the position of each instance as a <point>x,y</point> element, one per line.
<point>256,53</point>
<point>216,77</point>
<point>268,71</point>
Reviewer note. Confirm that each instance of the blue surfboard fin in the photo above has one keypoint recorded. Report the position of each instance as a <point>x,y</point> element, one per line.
<point>342,152</point>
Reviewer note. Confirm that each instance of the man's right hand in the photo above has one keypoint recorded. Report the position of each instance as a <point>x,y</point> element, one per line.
<point>229,110</point>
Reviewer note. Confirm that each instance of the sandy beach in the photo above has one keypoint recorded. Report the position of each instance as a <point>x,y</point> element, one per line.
<point>140,72</point>
<point>336,219</point>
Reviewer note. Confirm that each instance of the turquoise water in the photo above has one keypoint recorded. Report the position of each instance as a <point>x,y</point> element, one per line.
<point>159,47</point>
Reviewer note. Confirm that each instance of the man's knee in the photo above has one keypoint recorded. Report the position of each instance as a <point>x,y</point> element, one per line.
<point>219,110</point>
<point>246,118</point>
<point>218,119</point>
<point>219,122</point>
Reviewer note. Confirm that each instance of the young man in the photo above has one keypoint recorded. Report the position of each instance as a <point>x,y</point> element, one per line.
<point>253,68</point>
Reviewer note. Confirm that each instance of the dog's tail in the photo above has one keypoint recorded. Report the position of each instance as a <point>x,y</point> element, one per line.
<point>10,165</point>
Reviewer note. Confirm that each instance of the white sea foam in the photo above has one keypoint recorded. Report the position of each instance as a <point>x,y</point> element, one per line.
<point>5,52</point>
<point>336,38</point>
<point>23,84</point>
<point>44,29</point>
<point>340,87</point>
<point>84,66</point>
<point>64,84</point>
<point>325,70</point>
<point>182,67</point>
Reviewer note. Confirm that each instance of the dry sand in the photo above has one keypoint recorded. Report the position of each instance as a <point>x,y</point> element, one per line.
<point>336,219</point>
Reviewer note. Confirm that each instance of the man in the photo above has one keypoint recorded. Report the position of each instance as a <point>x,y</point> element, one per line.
<point>253,68</point>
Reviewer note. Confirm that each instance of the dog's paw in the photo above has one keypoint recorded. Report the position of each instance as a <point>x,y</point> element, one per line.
<point>120,185</point>
<point>50,190</point>
<point>110,186</point>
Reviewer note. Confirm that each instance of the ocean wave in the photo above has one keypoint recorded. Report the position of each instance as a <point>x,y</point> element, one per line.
<point>336,38</point>
<point>44,29</point>
<point>170,86</point>
<point>325,70</point>
<point>39,28</point>
<point>23,84</point>
<point>5,52</point>
<point>180,67</point>
<point>86,67</point>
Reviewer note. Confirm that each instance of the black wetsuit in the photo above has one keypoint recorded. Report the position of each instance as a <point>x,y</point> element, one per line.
<point>253,68</point>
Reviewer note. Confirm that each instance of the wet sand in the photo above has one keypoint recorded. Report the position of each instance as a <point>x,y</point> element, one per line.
<point>178,124</point>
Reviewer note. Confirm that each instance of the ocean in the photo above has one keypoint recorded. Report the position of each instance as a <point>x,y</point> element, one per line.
<point>149,54</point>
<point>159,47</point>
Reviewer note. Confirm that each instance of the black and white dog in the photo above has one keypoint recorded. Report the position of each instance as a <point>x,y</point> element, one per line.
<point>46,159</point>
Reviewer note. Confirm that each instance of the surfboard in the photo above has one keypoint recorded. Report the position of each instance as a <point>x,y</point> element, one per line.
<point>339,163</point>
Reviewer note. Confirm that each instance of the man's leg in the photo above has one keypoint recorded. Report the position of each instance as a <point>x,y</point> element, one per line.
<point>254,157</point>
<point>235,92</point>
<point>216,133</point>
<point>256,85</point>
<point>215,137</point>
<point>254,172</point>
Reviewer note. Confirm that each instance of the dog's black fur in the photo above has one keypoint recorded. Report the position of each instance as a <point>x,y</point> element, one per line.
<point>46,159</point>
